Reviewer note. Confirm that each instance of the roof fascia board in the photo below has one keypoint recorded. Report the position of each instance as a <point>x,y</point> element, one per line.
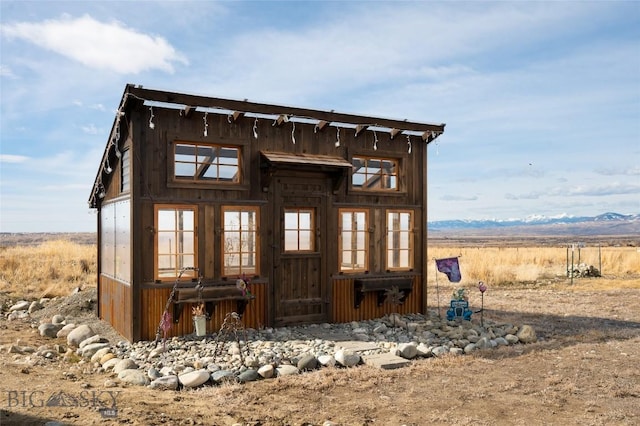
<point>254,107</point>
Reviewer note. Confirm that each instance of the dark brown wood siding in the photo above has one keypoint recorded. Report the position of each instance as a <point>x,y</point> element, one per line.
<point>154,300</point>
<point>115,305</point>
<point>343,302</point>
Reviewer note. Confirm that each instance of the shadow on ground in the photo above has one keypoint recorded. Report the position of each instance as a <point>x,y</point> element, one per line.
<point>10,418</point>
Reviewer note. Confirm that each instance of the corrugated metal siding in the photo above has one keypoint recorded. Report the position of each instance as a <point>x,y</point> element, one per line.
<point>154,300</point>
<point>343,300</point>
<point>115,305</point>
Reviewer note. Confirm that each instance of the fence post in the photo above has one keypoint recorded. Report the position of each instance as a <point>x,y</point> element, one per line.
<point>572,250</point>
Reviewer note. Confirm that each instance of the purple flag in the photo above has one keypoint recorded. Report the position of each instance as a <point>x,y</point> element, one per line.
<point>450,267</point>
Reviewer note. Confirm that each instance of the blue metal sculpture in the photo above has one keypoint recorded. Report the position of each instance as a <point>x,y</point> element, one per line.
<point>459,310</point>
<point>459,307</point>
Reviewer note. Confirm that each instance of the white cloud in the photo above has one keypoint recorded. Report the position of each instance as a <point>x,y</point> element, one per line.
<point>530,196</point>
<point>5,71</point>
<point>598,191</point>
<point>615,188</point>
<point>632,171</point>
<point>450,197</point>
<point>91,129</point>
<point>111,46</point>
<point>15,159</point>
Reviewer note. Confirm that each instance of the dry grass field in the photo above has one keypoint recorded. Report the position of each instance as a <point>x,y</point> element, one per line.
<point>582,371</point>
<point>48,269</point>
<point>536,266</point>
<point>56,267</point>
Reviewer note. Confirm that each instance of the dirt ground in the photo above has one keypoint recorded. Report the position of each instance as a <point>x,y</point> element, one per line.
<point>584,370</point>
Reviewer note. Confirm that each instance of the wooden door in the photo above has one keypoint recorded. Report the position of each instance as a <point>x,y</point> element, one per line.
<point>300,218</point>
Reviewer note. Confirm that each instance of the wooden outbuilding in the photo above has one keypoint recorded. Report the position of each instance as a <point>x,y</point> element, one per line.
<point>322,213</point>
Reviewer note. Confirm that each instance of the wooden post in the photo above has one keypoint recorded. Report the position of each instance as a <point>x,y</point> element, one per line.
<point>599,260</point>
<point>572,250</point>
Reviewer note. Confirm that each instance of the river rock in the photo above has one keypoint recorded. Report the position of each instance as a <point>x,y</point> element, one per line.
<point>48,330</point>
<point>501,341</point>
<point>153,373</point>
<point>407,350</point>
<point>97,356</point>
<point>106,357</point>
<point>157,351</point>
<point>194,378</point>
<point>483,343</point>
<point>249,375</point>
<point>89,350</point>
<point>58,319</point>
<point>327,360</point>
<point>110,363</point>
<point>96,338</point>
<point>266,371</point>
<point>133,377</point>
<point>347,358</point>
<point>307,362</point>
<point>456,351</point>
<point>439,350</point>
<point>527,334</point>
<point>287,370</point>
<point>165,383</point>
<point>124,364</point>
<point>512,339</point>
<point>222,376</point>
<point>423,350</point>
<point>65,330</point>
<point>79,334</point>
<point>20,305</point>
<point>380,329</point>
<point>34,306</point>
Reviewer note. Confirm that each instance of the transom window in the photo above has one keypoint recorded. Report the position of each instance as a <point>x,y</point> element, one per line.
<point>176,241</point>
<point>353,240</point>
<point>374,174</point>
<point>240,240</point>
<point>206,163</point>
<point>298,229</point>
<point>400,236</point>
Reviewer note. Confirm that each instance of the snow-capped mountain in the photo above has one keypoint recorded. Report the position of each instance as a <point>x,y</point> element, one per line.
<point>609,222</point>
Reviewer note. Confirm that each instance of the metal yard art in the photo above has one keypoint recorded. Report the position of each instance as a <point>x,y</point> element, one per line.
<point>459,304</point>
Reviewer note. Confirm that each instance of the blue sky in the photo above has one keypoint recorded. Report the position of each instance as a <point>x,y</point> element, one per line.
<point>541,99</point>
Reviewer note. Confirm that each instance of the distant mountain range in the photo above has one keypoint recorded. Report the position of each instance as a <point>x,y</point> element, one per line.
<point>605,224</point>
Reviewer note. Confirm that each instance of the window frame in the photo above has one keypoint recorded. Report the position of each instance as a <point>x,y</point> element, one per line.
<point>125,171</point>
<point>313,243</point>
<point>186,182</point>
<point>410,232</point>
<point>188,274</point>
<point>354,233</point>
<point>223,251</point>
<point>365,159</point>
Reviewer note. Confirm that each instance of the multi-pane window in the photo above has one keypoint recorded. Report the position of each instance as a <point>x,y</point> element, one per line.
<point>298,229</point>
<point>125,171</point>
<point>206,163</point>
<point>240,240</point>
<point>374,174</point>
<point>176,241</point>
<point>353,240</point>
<point>400,238</point>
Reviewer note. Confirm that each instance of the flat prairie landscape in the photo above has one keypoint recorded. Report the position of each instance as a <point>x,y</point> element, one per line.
<point>583,369</point>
